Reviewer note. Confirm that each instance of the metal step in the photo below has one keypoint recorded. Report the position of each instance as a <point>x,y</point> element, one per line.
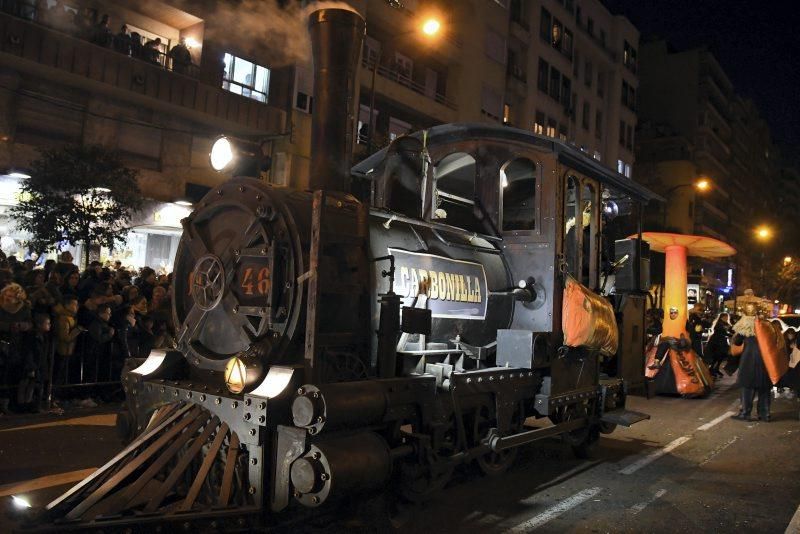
<point>624,418</point>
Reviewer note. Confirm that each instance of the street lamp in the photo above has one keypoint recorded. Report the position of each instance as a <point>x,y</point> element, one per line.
<point>702,185</point>
<point>763,234</point>
<point>787,260</point>
<point>430,28</point>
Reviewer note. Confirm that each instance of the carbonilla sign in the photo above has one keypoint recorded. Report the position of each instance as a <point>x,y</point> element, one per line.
<point>457,289</point>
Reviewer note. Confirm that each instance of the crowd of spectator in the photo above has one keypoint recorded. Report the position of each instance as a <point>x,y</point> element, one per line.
<point>62,326</point>
<point>88,25</point>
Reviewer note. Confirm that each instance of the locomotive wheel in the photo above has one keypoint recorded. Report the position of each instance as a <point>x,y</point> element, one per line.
<point>420,481</point>
<point>493,463</point>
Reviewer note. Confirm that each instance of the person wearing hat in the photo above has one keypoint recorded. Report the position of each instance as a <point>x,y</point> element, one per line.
<point>753,378</point>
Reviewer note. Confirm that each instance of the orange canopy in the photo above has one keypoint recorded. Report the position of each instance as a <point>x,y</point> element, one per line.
<point>696,245</point>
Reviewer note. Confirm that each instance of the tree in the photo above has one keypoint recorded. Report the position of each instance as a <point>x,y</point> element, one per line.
<point>81,194</point>
<point>784,283</point>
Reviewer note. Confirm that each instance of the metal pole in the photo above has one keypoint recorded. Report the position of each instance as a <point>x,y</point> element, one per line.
<point>372,99</point>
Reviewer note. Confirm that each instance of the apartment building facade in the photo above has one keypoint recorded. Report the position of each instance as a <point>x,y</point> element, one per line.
<point>693,125</point>
<point>59,86</point>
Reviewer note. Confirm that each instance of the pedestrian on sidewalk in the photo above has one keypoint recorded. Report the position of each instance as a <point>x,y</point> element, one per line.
<point>753,378</point>
<point>718,346</point>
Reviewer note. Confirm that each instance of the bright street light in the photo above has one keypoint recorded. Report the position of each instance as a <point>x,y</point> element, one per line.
<point>431,27</point>
<point>787,260</point>
<point>763,233</point>
<point>703,184</point>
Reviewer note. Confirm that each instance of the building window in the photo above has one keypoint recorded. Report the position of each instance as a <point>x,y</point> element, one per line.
<point>596,155</point>
<point>491,103</point>
<point>629,137</point>
<point>551,127</point>
<point>620,166</point>
<point>590,26</point>
<point>245,78</point>
<point>496,47</point>
<point>303,88</point>
<point>587,74</point>
<point>566,48</point>
<point>628,171</point>
<point>555,83</point>
<point>566,92</point>
<point>370,51</point>
<point>598,124</point>
<point>603,38</point>
<point>622,133</point>
<point>629,57</point>
<point>576,66</point>
<point>544,75</point>
<point>506,113</point>
<point>601,84</point>
<point>586,113</point>
<point>545,25</point>
<point>538,125</point>
<point>562,132</point>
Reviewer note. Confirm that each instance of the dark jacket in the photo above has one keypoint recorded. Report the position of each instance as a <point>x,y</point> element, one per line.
<point>718,342</point>
<point>752,372</point>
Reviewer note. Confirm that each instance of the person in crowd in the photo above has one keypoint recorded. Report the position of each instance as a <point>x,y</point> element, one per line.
<point>38,364</point>
<point>122,41</point>
<point>129,294</point>
<point>15,320</point>
<point>181,57</point>
<point>654,318</point>
<point>161,313</point>
<point>123,320</point>
<point>67,332</point>
<point>152,51</point>
<point>40,298</point>
<point>117,265</point>
<point>89,279</point>
<point>70,285</point>
<point>753,378</point>
<point>102,294</point>
<point>53,286</point>
<point>101,332</point>
<point>718,346</point>
<point>141,338</point>
<point>146,282</point>
<point>65,264</point>
<point>695,324</point>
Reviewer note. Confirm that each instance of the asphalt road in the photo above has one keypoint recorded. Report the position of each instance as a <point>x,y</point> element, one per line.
<point>689,469</point>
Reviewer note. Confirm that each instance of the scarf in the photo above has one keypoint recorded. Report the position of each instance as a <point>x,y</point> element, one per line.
<point>746,326</point>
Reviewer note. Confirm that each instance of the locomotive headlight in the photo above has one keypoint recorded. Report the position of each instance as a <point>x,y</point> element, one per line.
<point>243,372</point>
<point>221,155</point>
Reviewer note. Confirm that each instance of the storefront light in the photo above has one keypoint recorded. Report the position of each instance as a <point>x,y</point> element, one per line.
<point>18,175</point>
<point>184,203</point>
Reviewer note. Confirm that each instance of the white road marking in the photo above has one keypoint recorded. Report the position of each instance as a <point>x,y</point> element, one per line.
<point>563,476</point>
<point>794,524</point>
<point>719,450</point>
<point>655,455</point>
<point>636,508</point>
<point>555,511</point>
<point>715,422</point>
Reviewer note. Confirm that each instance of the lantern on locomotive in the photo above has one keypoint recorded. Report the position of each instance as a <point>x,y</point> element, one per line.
<point>328,345</point>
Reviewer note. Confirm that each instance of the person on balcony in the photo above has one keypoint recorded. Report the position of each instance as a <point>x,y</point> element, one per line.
<point>101,34</point>
<point>181,57</point>
<point>122,41</point>
<point>152,51</point>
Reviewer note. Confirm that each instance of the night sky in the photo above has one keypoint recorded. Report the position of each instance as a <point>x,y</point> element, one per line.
<point>756,42</point>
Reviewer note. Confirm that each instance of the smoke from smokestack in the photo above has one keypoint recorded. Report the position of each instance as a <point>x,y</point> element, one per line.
<point>261,28</point>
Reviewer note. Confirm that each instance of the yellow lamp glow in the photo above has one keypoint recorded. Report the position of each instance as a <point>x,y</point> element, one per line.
<point>787,260</point>
<point>191,42</point>
<point>235,375</point>
<point>431,27</point>
<point>703,184</point>
<point>763,233</point>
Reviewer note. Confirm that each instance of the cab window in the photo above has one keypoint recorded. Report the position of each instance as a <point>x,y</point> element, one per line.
<point>518,193</point>
<point>455,176</point>
<point>573,222</point>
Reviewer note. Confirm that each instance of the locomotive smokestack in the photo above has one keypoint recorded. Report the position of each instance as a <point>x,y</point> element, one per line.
<point>336,38</point>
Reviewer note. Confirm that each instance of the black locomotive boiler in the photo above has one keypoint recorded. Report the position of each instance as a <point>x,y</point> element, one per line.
<point>329,345</point>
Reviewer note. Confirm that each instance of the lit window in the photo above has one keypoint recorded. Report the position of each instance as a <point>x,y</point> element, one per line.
<point>245,78</point>
<point>620,166</point>
<point>538,126</point>
<point>596,155</point>
<point>506,113</point>
<point>551,128</point>
<point>628,170</point>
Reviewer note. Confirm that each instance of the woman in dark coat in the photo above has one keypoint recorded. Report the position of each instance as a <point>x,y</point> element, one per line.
<point>718,343</point>
<point>753,377</point>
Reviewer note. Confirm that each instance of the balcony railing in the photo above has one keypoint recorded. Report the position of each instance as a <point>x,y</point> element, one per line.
<point>392,73</point>
<point>38,44</point>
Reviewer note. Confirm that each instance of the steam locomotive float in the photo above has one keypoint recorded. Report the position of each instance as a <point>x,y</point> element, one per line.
<point>329,346</point>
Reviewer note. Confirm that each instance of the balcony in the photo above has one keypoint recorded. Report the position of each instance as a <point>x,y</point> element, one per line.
<point>398,78</point>
<point>63,59</point>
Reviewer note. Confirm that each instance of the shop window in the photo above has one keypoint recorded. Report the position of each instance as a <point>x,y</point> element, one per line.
<point>245,78</point>
<point>518,193</point>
